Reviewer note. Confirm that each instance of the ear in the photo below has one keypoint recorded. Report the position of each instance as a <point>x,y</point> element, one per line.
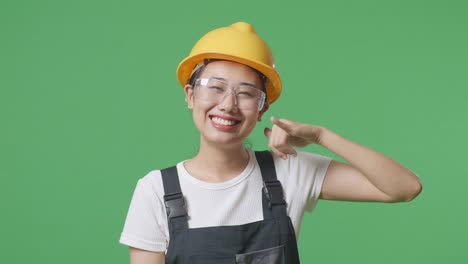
<point>188,89</point>
<point>264,109</point>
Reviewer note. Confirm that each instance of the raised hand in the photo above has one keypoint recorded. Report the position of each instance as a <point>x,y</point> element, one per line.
<point>286,134</point>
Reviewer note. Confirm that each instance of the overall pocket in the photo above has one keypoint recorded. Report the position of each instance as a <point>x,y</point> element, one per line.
<point>273,255</point>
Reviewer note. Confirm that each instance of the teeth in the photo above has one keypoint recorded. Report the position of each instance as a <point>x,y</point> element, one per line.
<point>223,122</point>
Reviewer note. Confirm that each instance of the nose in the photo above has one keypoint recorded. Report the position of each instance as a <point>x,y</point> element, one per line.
<point>228,102</point>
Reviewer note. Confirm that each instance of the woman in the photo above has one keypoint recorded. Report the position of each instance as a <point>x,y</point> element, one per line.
<point>229,204</point>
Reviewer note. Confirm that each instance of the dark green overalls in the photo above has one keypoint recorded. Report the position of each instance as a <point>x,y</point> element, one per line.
<point>270,241</point>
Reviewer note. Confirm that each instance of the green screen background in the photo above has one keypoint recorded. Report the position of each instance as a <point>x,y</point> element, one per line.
<point>89,103</point>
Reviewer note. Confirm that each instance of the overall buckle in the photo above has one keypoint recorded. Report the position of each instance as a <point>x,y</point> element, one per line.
<point>175,205</point>
<point>274,193</point>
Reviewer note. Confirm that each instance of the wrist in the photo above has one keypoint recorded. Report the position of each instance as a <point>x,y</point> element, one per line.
<point>323,136</point>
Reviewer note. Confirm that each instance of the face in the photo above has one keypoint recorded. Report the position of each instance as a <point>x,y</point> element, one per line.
<point>223,122</point>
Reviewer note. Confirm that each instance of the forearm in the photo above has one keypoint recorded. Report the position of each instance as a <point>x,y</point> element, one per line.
<point>384,173</point>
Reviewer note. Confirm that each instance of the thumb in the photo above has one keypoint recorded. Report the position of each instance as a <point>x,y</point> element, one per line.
<point>267,132</point>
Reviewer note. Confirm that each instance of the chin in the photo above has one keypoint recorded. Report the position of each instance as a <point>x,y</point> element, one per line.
<point>224,140</point>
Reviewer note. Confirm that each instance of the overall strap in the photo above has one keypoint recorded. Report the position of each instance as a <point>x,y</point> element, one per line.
<point>174,199</point>
<point>274,204</point>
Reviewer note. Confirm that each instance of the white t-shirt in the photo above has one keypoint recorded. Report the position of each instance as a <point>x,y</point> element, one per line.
<point>234,202</point>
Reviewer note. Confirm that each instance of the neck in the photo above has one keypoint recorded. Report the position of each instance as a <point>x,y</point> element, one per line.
<point>218,164</point>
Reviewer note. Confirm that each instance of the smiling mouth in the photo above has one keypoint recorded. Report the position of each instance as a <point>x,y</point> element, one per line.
<point>224,122</point>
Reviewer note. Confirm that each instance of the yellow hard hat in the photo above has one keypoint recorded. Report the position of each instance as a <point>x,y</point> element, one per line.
<point>239,43</point>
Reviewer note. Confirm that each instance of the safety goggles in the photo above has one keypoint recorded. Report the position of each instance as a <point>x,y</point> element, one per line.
<point>214,90</point>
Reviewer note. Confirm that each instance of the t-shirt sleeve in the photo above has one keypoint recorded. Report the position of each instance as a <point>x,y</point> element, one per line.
<point>312,169</point>
<point>143,225</point>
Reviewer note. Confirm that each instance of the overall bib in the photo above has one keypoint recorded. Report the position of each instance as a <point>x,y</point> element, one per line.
<point>270,241</point>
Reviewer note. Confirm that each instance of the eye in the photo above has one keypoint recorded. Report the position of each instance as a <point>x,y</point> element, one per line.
<point>247,92</point>
<point>216,88</point>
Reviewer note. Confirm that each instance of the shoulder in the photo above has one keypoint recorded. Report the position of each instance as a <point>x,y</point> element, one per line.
<point>304,160</point>
<point>150,186</point>
<point>300,169</point>
<point>302,175</point>
<point>151,180</point>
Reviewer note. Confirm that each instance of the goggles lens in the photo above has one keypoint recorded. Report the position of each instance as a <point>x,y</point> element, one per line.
<point>213,90</point>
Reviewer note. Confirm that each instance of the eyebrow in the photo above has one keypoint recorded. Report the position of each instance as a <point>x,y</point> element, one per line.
<point>241,83</point>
